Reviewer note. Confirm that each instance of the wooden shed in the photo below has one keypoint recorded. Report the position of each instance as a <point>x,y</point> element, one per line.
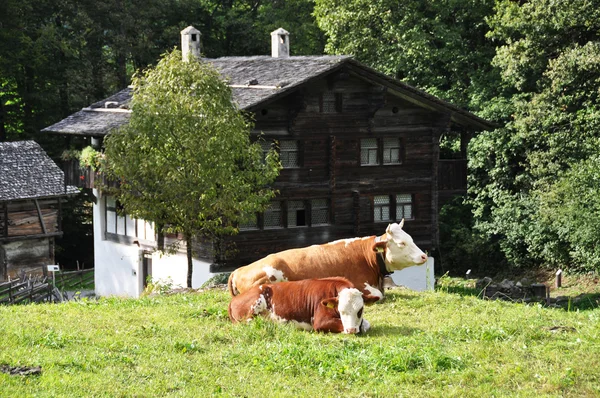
<point>359,150</point>
<point>31,189</point>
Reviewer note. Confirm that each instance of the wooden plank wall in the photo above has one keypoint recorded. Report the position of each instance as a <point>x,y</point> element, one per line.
<point>23,218</point>
<point>330,143</point>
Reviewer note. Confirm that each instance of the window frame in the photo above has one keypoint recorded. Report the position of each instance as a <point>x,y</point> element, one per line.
<point>297,150</point>
<point>393,203</point>
<point>307,205</point>
<point>131,230</point>
<point>380,149</point>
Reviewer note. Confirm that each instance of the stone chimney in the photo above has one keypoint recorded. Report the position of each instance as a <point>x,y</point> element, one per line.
<point>280,43</point>
<point>190,43</point>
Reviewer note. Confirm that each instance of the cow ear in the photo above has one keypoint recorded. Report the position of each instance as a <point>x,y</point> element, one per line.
<point>370,299</point>
<point>331,302</point>
<point>379,246</point>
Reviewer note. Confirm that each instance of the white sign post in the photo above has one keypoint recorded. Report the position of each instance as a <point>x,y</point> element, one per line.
<point>53,269</point>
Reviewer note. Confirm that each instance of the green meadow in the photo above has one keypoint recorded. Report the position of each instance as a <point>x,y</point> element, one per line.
<point>434,344</point>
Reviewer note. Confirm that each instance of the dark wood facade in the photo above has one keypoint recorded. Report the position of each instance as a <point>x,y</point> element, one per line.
<point>329,142</point>
<point>329,107</point>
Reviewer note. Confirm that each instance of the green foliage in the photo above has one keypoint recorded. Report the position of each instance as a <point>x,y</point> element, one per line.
<point>185,160</point>
<point>182,345</point>
<point>462,247</point>
<point>89,157</point>
<point>437,45</point>
<point>550,62</point>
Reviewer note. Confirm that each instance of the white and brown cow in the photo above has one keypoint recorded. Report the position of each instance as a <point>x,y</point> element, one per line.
<point>324,305</point>
<point>364,261</point>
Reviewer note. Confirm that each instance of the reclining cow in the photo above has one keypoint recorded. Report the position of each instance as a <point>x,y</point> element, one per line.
<point>364,261</point>
<point>324,305</point>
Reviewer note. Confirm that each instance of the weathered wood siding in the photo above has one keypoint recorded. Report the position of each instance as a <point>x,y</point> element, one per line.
<point>29,256</point>
<point>329,119</point>
<point>27,244</point>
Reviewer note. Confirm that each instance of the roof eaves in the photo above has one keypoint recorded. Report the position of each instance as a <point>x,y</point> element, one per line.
<point>457,114</point>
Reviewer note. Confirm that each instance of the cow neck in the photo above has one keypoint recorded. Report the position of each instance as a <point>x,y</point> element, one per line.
<point>381,261</point>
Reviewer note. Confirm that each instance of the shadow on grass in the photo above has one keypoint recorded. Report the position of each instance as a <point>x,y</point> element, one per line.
<point>460,290</point>
<point>582,302</point>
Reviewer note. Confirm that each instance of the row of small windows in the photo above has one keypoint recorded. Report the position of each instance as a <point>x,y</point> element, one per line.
<point>291,213</point>
<point>373,151</point>
<point>315,212</point>
<point>124,225</point>
<point>280,214</point>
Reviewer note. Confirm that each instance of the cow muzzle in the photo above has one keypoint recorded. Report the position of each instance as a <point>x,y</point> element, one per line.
<point>351,331</point>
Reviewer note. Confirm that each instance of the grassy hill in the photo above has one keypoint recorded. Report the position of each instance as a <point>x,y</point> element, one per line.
<point>421,344</point>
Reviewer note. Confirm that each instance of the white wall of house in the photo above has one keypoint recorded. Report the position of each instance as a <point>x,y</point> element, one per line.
<point>173,269</point>
<point>419,278</point>
<point>119,266</point>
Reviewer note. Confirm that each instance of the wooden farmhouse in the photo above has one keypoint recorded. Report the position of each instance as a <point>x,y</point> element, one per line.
<point>359,150</point>
<point>31,189</point>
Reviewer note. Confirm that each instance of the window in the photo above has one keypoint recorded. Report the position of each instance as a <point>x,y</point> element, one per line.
<point>403,207</point>
<point>368,151</point>
<point>122,227</point>
<point>330,102</point>
<point>272,216</point>
<point>250,224</point>
<point>391,150</point>
<point>392,207</point>
<point>388,150</point>
<point>300,213</point>
<point>381,208</point>
<point>296,213</point>
<point>289,154</point>
<point>266,147</point>
<point>319,212</point>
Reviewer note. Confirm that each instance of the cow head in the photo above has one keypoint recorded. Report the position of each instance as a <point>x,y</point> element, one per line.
<point>400,250</point>
<point>350,303</point>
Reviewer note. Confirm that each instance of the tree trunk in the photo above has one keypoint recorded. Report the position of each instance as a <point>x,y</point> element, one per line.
<point>188,243</point>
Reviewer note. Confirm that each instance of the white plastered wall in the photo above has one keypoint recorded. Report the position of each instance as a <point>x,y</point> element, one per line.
<point>118,266</point>
<point>419,278</point>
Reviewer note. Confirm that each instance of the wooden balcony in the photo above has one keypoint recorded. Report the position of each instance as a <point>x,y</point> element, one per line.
<point>83,177</point>
<point>452,179</point>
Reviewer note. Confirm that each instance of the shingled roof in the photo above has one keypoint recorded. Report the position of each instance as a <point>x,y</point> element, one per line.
<point>256,81</point>
<point>27,172</point>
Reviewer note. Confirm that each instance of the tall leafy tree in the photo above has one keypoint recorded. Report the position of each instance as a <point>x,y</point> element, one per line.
<point>185,160</point>
<point>549,57</point>
<point>437,45</point>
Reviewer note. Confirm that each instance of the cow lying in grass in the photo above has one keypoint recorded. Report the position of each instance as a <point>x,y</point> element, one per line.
<point>364,261</point>
<point>324,305</point>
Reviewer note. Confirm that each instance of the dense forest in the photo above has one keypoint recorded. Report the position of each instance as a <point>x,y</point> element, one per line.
<point>531,67</point>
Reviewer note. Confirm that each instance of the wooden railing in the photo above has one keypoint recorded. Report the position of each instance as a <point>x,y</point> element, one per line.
<point>84,177</point>
<point>32,290</point>
<point>36,289</point>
